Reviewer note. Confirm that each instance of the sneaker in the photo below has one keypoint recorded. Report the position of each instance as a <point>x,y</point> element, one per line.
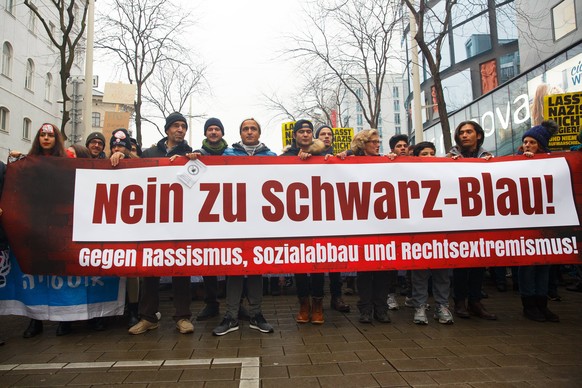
<point>142,326</point>
<point>209,311</point>
<point>184,326</point>
<point>258,322</point>
<point>365,318</point>
<point>392,302</point>
<point>420,316</point>
<point>227,325</point>
<point>408,302</point>
<point>443,315</point>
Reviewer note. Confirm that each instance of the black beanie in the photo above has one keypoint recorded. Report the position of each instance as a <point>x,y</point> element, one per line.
<point>213,121</point>
<point>299,124</point>
<point>320,128</point>
<point>120,137</point>
<point>172,118</point>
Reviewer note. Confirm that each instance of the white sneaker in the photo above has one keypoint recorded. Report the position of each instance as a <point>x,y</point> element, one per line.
<point>392,302</point>
<point>420,315</point>
<point>443,315</point>
<point>408,302</point>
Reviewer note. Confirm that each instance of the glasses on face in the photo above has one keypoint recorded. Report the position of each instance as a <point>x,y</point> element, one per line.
<point>375,142</point>
<point>96,142</point>
<point>304,131</point>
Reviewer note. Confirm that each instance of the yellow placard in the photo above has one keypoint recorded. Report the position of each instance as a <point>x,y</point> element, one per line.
<point>566,110</point>
<point>287,132</point>
<point>342,138</point>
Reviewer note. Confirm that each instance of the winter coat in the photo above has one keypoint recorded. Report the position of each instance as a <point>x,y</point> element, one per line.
<point>237,149</point>
<point>159,150</point>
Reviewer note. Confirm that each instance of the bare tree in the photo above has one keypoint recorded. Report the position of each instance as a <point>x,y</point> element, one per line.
<point>142,35</point>
<point>170,88</point>
<point>315,98</point>
<point>72,16</point>
<point>353,39</point>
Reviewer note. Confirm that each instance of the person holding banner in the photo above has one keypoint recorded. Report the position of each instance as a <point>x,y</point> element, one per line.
<point>325,134</point>
<point>213,144</point>
<point>441,282</point>
<point>467,282</point>
<point>48,141</point>
<point>373,285</point>
<point>173,144</point>
<point>250,132</point>
<point>534,279</point>
<point>307,284</point>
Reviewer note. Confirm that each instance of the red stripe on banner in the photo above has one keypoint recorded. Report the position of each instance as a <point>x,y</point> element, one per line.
<point>38,204</point>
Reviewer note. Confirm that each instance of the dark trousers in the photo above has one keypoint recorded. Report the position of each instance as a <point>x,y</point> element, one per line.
<point>467,283</point>
<point>309,285</point>
<point>211,290</point>
<point>335,284</point>
<point>373,289</point>
<point>149,302</point>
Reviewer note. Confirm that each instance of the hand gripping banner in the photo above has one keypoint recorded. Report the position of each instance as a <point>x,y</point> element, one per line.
<point>257,215</point>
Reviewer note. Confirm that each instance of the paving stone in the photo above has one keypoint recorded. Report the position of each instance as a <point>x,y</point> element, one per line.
<point>151,376</point>
<point>349,368</point>
<point>294,382</point>
<point>418,365</point>
<point>291,359</point>
<point>333,358</point>
<point>314,370</point>
<point>460,376</point>
<point>390,379</point>
<point>208,374</point>
<point>304,349</point>
<point>45,380</point>
<point>431,352</point>
<point>362,380</point>
<point>417,378</point>
<point>273,372</point>
<point>515,360</point>
<point>110,377</point>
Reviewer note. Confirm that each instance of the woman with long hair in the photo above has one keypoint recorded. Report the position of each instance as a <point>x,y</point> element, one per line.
<point>49,141</point>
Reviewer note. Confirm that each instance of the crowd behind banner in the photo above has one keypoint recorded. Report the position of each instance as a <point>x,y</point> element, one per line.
<point>74,297</point>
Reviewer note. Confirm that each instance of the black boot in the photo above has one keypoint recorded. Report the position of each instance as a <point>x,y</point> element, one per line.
<point>132,309</point>
<point>541,302</point>
<point>34,328</point>
<point>531,310</point>
<point>64,328</point>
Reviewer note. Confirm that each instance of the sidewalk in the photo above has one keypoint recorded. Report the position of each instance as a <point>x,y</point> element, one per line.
<point>510,352</point>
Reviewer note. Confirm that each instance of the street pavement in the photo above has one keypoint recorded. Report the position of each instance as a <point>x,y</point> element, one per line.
<point>509,352</point>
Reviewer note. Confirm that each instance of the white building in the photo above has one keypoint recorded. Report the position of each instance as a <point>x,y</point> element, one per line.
<point>392,111</point>
<point>29,76</point>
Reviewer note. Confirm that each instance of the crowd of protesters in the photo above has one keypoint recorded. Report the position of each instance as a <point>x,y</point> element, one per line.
<point>377,289</point>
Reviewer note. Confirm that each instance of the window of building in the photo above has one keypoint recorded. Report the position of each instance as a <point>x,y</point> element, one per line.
<point>358,107</point>
<point>26,127</point>
<point>7,59</point>
<point>10,6</point>
<point>359,93</point>
<point>397,118</point>
<point>395,92</point>
<point>29,78</point>
<point>471,38</point>
<point>359,120</point>
<point>31,21</point>
<point>563,19</point>
<point>52,28</point>
<point>48,86</point>
<point>4,119</point>
<point>506,24</point>
<point>96,119</point>
<point>396,105</point>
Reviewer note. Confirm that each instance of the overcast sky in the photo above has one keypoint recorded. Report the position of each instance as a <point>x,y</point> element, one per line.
<point>241,43</point>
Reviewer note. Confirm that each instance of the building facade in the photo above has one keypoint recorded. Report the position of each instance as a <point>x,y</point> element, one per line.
<point>494,59</point>
<point>392,118</point>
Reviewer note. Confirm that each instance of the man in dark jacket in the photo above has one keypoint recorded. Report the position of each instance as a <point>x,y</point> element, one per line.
<point>96,144</point>
<point>174,144</point>
<point>213,144</point>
